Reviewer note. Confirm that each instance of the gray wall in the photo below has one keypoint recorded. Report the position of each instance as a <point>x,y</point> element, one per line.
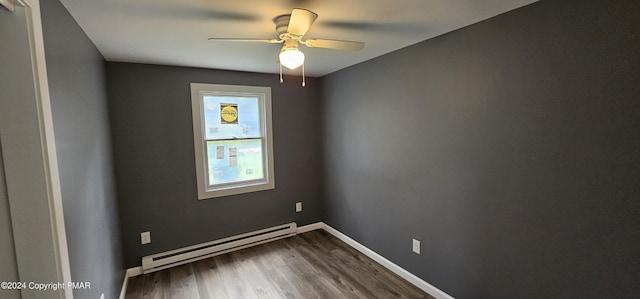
<point>510,148</point>
<point>77,83</point>
<point>28,239</point>
<point>8,261</point>
<point>150,113</point>
<point>13,65</point>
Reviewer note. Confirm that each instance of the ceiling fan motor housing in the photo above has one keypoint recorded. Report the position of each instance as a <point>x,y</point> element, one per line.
<point>282,23</point>
<point>282,26</point>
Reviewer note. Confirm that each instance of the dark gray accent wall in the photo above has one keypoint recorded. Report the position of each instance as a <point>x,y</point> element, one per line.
<point>510,148</point>
<point>152,129</point>
<point>8,260</point>
<point>77,84</point>
<point>25,166</point>
<point>15,64</point>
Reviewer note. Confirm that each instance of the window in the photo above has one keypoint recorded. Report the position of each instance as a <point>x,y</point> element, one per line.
<point>232,139</point>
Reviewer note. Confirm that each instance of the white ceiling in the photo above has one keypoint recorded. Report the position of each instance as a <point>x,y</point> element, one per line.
<point>175,32</point>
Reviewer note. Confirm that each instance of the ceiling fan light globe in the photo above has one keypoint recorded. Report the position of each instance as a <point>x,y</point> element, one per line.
<point>291,58</point>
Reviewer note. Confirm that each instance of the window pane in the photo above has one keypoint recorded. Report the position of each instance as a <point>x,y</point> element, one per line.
<point>232,139</point>
<point>229,117</point>
<point>233,161</point>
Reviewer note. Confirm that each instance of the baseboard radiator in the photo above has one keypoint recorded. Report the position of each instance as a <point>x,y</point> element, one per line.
<point>193,253</point>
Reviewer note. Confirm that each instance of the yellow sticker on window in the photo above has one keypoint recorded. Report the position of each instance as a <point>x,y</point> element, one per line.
<point>229,113</point>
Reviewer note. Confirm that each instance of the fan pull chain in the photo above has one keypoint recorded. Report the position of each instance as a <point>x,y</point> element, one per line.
<point>281,81</point>
<point>303,83</point>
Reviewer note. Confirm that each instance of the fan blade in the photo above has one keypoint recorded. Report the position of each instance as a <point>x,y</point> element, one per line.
<point>334,44</point>
<point>300,21</point>
<point>269,41</point>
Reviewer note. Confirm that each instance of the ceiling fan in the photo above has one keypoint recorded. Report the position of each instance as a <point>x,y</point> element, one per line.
<point>291,28</point>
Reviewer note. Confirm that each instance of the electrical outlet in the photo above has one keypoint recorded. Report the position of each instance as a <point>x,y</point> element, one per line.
<point>416,246</point>
<point>298,207</point>
<point>145,238</point>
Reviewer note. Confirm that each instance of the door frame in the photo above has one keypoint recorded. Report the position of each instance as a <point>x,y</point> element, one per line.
<point>49,173</point>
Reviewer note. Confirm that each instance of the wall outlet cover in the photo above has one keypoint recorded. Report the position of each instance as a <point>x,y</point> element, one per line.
<point>299,207</point>
<point>145,238</point>
<point>416,246</point>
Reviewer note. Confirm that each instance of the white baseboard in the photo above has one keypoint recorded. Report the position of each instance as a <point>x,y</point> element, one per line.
<point>423,285</point>
<point>131,272</point>
<point>310,227</point>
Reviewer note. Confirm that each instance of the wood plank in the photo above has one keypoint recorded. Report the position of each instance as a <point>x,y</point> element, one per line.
<point>310,265</point>
<point>285,283</point>
<point>183,282</point>
<point>156,285</point>
<point>304,277</point>
<point>260,284</point>
<point>385,275</point>
<point>134,287</point>
<point>277,271</point>
<point>246,261</point>
<point>349,287</point>
<point>209,280</point>
<point>351,261</point>
<point>236,285</point>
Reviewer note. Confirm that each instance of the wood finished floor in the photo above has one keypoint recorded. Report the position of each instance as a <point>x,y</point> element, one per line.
<point>309,265</point>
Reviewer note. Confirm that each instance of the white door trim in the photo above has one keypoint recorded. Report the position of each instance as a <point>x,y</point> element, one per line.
<point>47,140</point>
<point>8,5</point>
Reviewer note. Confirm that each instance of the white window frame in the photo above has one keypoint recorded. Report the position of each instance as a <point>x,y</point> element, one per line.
<point>198,91</point>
